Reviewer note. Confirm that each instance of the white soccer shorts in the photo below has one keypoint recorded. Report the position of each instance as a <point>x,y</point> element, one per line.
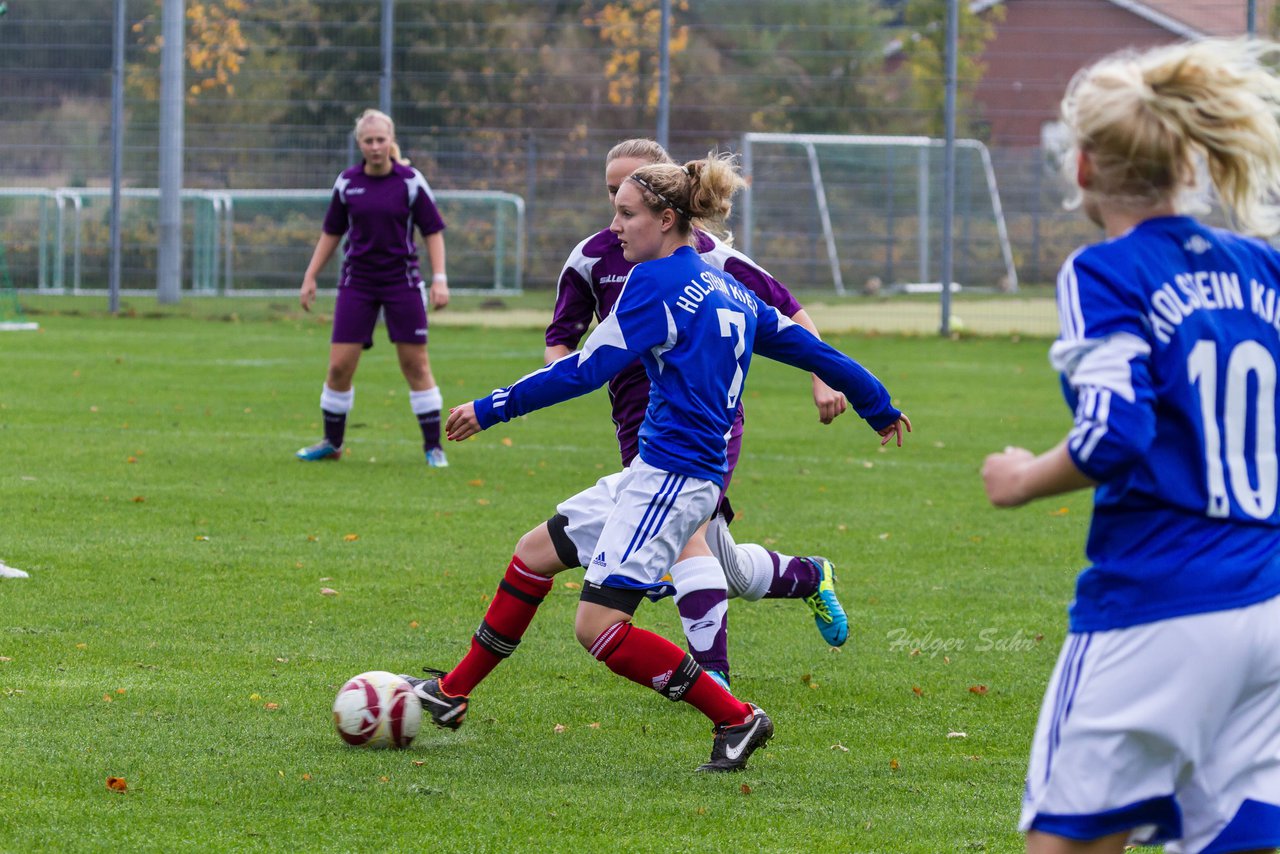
<point>631,527</point>
<point>1169,729</point>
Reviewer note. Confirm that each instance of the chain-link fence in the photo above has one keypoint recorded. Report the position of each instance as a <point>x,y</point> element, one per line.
<point>524,97</point>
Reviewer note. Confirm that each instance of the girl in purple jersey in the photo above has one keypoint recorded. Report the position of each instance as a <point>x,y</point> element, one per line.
<point>377,205</point>
<point>631,527</point>
<point>1161,722</point>
<point>588,287</point>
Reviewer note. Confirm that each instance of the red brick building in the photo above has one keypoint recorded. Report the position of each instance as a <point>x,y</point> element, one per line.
<point>1039,44</point>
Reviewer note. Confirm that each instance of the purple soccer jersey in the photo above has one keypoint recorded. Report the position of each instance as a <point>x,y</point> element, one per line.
<point>589,286</point>
<point>378,213</point>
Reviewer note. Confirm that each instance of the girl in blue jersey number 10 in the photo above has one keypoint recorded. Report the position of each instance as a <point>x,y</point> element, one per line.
<point>695,329</point>
<point>1161,722</point>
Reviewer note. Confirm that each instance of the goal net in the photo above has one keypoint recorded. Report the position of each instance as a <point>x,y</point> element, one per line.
<point>864,214</point>
<point>11,317</point>
<point>239,242</point>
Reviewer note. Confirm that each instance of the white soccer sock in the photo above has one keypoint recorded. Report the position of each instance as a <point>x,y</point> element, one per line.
<point>748,569</point>
<point>424,402</point>
<point>337,402</point>
<point>700,574</point>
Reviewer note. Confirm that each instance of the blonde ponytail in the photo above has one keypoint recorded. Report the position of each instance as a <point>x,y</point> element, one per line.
<point>1151,120</point>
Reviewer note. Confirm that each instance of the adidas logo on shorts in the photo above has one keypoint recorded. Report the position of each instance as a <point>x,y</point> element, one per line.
<point>599,560</point>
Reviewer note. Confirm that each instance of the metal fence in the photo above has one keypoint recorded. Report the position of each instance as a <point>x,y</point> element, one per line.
<point>525,97</point>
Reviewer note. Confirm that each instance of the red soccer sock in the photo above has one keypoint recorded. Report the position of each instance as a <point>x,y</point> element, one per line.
<point>655,662</point>
<point>519,594</point>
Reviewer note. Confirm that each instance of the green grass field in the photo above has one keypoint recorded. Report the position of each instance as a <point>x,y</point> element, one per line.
<point>174,633</point>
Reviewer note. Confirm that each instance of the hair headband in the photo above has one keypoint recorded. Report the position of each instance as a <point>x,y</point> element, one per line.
<point>646,185</point>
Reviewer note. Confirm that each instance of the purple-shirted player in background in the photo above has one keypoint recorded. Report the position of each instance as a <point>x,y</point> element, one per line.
<point>376,205</point>
<point>589,285</point>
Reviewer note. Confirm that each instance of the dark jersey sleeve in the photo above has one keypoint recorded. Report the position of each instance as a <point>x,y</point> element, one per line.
<point>574,311</point>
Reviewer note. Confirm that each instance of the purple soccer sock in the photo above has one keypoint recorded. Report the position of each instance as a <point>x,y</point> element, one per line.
<point>335,427</point>
<point>705,615</point>
<point>799,579</point>
<point>430,424</point>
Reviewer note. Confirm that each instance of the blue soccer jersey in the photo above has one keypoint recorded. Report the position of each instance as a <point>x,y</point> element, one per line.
<point>1168,354</point>
<point>694,328</point>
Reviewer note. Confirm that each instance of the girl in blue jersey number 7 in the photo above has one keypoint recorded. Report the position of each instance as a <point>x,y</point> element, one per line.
<point>1161,722</point>
<point>695,328</point>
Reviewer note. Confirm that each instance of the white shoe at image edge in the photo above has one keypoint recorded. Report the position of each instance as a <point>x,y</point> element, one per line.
<point>10,572</point>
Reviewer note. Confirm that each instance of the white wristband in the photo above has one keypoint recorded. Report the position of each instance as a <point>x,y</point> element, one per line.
<point>439,277</point>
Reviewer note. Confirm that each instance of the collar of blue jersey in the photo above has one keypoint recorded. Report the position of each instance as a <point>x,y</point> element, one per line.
<point>643,183</point>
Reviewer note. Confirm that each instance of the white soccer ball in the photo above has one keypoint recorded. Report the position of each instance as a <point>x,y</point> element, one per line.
<point>377,709</point>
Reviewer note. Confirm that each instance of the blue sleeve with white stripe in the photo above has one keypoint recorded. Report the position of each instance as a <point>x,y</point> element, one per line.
<point>608,349</point>
<point>1103,354</point>
<point>783,340</point>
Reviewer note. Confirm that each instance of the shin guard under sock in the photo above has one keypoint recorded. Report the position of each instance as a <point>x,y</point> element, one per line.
<point>655,662</point>
<point>519,594</point>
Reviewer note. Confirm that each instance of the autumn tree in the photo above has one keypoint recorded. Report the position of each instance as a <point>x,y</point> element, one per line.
<point>632,29</point>
<point>924,45</point>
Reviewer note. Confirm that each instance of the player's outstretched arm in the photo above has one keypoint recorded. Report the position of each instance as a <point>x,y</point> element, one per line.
<point>895,430</point>
<point>462,423</point>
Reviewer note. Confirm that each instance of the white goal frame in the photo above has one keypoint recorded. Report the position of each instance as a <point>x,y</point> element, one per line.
<point>921,144</point>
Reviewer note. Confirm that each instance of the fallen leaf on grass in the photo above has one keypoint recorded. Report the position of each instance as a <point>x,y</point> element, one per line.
<point>476,482</point>
<point>483,502</point>
<point>138,499</point>
<point>306,776</point>
<point>1061,511</point>
<point>131,460</point>
<point>893,765</point>
<point>977,689</point>
<point>385,779</point>
<point>840,747</point>
<point>413,624</point>
<point>271,707</point>
<point>255,696</point>
<point>506,441</point>
<point>746,790</point>
<point>201,538</point>
<point>350,538</point>
<point>559,728</point>
<point>117,784</point>
<point>594,725</point>
<point>917,690</point>
<point>106,698</point>
<point>418,763</point>
<point>5,658</point>
<point>82,646</point>
<point>957,735</point>
<point>572,585</point>
<point>328,591</point>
